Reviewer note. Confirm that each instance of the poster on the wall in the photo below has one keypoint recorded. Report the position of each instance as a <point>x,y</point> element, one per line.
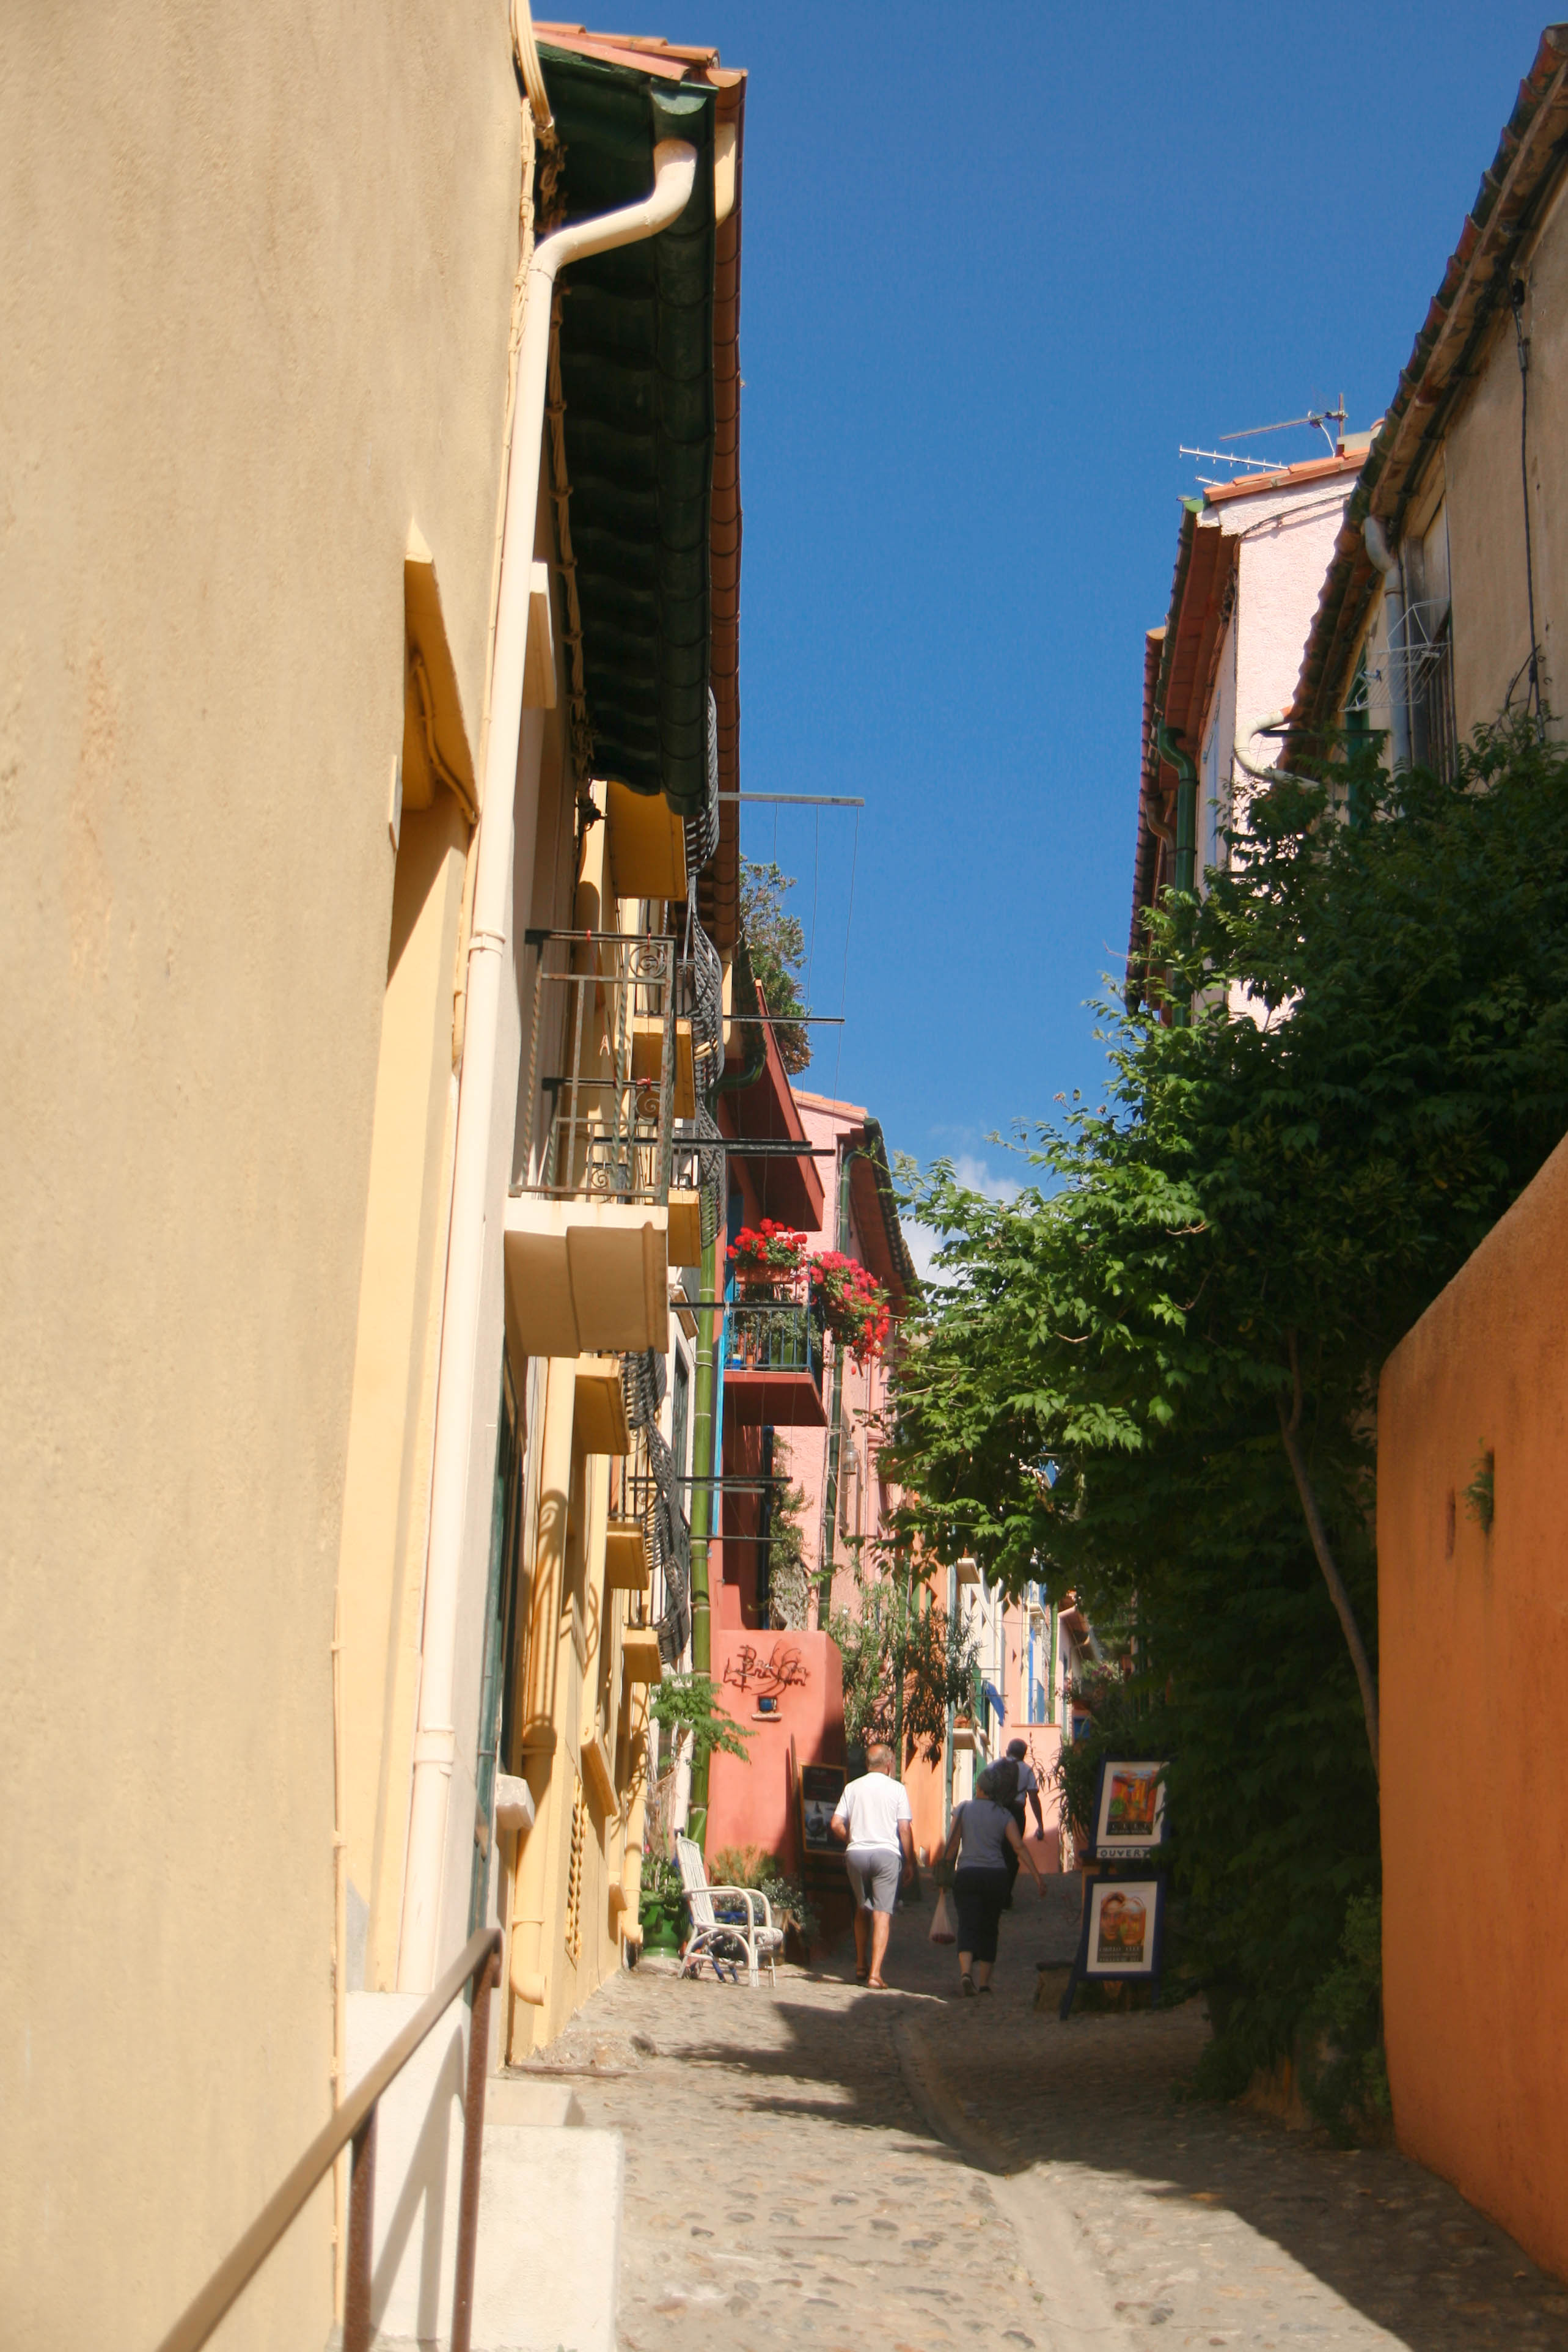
<point>1129,1808</point>
<point>1124,1921</point>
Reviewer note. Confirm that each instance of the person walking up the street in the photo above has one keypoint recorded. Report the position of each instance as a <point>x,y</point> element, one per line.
<point>1028,1786</point>
<point>872,1823</point>
<point>984,1833</point>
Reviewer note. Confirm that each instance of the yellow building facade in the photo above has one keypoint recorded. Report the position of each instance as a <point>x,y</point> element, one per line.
<point>294,1643</point>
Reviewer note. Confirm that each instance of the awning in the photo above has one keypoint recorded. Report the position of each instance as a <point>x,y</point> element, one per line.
<point>637,378</point>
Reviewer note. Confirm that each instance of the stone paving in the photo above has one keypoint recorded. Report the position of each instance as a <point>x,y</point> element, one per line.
<point>828,2168</point>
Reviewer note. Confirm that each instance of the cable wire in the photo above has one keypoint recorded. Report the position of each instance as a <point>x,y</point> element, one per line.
<point>1516,296</point>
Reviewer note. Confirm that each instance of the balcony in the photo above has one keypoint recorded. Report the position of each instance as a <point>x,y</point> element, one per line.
<point>588,1215</point>
<point>772,1363</point>
<point>647,1546</point>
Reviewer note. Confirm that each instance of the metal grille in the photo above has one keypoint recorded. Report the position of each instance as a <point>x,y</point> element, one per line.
<point>643,1378</point>
<point>644,1486</point>
<point>771,1334</point>
<point>599,1121</point>
<point>1433,735</point>
<point>702,830</point>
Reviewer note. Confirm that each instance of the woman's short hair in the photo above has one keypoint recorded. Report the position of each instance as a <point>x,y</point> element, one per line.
<point>1003,1777</point>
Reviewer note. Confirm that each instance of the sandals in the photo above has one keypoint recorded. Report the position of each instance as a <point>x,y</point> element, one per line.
<point>966,1988</point>
<point>862,1976</point>
<point>876,1984</point>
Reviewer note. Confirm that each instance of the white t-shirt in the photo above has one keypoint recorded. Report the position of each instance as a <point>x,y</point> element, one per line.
<point>874,1806</point>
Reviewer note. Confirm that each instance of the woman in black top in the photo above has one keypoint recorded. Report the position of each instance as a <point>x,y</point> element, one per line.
<point>983,1834</point>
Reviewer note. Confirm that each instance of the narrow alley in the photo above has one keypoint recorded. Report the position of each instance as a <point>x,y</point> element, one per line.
<point>823,2167</point>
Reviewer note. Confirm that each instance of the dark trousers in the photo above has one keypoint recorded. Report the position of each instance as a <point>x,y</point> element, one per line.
<point>1022,1820</point>
<point>979,1897</point>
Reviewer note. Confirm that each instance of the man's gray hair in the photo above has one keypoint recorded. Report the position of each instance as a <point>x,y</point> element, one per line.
<point>879,1752</point>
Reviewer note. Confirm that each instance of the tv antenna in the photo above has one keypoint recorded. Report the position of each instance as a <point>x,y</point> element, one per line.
<point>1320,419</point>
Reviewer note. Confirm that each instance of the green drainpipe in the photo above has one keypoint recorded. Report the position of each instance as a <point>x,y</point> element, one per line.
<point>702,1513</point>
<point>1187,809</point>
<point>835,1418</point>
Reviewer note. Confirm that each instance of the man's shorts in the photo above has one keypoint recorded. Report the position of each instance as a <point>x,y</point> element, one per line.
<point>874,1875</point>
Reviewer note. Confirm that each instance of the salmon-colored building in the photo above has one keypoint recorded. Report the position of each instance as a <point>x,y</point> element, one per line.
<point>797,1414</point>
<point>1472,1547</point>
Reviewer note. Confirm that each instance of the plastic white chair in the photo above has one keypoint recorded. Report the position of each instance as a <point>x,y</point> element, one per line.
<point>759,1938</point>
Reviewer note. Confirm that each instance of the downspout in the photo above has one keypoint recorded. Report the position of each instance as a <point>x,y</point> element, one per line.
<point>701,1517</point>
<point>435,1749</point>
<point>1393,571</point>
<point>1186,868</point>
<point>831,1482</point>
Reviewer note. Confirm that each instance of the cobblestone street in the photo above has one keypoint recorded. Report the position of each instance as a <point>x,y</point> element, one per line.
<point>832,2168</point>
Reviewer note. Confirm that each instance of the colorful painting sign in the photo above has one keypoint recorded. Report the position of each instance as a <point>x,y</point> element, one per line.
<point>1122,1922</point>
<point>1129,1807</point>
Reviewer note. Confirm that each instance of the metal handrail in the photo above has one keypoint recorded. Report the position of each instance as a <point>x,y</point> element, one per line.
<point>355,2121</point>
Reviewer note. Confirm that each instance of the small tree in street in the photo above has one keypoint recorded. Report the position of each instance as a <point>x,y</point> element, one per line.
<point>1185,1317</point>
<point>906,1663</point>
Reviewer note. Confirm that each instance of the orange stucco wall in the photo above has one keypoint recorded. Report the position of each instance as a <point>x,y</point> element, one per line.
<point>1473,1631</point>
<point>752,1803</point>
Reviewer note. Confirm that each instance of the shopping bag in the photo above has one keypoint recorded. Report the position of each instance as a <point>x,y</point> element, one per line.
<point>941,1925</point>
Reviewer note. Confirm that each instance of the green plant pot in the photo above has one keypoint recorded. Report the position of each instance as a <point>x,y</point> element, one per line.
<point>661,1927</point>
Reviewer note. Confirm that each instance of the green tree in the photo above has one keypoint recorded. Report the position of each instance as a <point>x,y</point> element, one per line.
<point>905,1662</point>
<point>776,948</point>
<point>1185,1315</point>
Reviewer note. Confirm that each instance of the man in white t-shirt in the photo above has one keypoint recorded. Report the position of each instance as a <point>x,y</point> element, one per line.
<point>872,1823</point>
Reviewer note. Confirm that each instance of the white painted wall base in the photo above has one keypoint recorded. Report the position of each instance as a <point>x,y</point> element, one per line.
<point>550,2201</point>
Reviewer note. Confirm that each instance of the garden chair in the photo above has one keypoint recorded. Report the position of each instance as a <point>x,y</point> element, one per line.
<point>756,1933</point>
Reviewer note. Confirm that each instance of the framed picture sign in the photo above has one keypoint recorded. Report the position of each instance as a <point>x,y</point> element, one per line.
<point>1124,1926</point>
<point>822,1786</point>
<point>1129,1808</point>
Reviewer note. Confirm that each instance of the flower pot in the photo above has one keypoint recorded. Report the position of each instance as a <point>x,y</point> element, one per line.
<point>661,1927</point>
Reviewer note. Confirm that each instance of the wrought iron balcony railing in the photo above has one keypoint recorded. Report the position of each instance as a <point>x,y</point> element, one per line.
<point>599,1115</point>
<point>644,1492</point>
<point>776,1334</point>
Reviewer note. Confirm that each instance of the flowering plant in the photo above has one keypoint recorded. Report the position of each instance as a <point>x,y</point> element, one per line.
<point>768,1249</point>
<point>851,1304</point>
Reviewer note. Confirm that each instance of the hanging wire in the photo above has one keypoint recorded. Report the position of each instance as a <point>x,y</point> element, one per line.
<point>1516,298</point>
<point>849,921</point>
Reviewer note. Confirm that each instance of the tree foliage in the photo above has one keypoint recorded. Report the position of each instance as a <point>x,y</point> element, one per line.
<point>905,1662</point>
<point>776,950</point>
<point>1185,1315</point>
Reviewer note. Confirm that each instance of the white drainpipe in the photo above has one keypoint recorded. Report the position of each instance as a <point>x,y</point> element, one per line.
<point>1389,565</point>
<point>435,1750</point>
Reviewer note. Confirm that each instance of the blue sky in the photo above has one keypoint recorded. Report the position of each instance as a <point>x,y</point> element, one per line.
<point>997,265</point>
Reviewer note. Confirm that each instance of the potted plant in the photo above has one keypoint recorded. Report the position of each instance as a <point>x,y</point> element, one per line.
<point>848,1301</point>
<point>659,1907</point>
<point>767,1257</point>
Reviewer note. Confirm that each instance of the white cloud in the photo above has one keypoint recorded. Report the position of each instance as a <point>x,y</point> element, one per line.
<point>975,1175</point>
<point>922,1244</point>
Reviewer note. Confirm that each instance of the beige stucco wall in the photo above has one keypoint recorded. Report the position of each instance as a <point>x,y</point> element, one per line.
<point>254,318</point>
<point>1485,497</point>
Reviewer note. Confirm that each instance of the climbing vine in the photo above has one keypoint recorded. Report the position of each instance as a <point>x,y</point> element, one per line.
<point>1153,1378</point>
